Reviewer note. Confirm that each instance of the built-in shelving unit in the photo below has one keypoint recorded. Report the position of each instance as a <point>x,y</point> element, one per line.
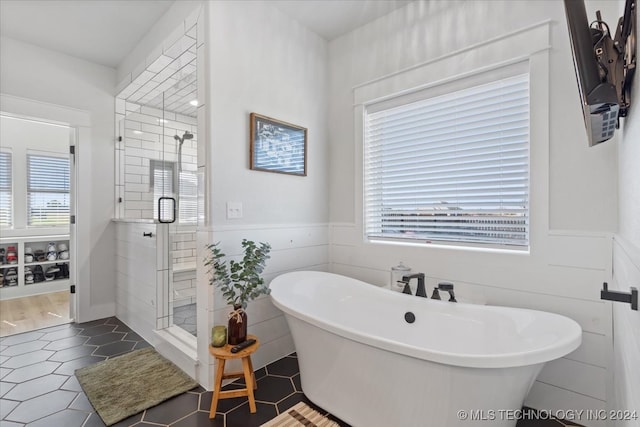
<point>48,275</point>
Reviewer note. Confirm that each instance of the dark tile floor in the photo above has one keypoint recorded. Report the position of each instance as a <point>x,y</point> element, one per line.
<point>37,382</point>
<point>38,386</point>
<point>185,317</point>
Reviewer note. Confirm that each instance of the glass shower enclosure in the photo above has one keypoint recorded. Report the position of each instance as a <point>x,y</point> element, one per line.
<point>156,157</point>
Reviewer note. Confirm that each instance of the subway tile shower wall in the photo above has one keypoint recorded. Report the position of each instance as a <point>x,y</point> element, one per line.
<point>183,247</point>
<point>149,135</point>
<point>183,256</point>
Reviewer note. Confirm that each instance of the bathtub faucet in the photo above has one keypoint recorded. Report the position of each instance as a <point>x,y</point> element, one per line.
<point>421,291</point>
<point>444,286</point>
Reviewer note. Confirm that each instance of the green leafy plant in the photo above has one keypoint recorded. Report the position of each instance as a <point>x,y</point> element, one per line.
<point>239,281</point>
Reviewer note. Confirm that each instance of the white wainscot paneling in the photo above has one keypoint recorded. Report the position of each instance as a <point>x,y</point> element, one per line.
<point>295,247</point>
<point>556,400</point>
<point>373,276</point>
<point>626,350</point>
<point>273,350</point>
<point>572,375</point>
<point>278,236</point>
<point>592,316</point>
<point>592,350</point>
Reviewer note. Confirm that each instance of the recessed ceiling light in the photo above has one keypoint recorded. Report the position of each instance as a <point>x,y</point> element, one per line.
<point>137,132</point>
<point>162,121</point>
<point>194,102</point>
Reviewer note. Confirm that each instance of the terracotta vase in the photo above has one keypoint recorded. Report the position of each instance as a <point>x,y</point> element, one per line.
<point>237,330</point>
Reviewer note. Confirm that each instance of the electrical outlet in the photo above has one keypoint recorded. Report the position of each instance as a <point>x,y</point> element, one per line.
<point>234,210</point>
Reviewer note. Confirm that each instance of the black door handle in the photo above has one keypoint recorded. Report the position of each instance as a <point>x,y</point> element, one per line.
<point>166,210</point>
<point>149,234</point>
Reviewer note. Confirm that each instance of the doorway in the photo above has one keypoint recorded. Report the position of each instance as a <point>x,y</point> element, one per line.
<point>36,207</point>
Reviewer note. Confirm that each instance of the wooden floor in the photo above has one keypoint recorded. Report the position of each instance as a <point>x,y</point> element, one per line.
<point>35,312</point>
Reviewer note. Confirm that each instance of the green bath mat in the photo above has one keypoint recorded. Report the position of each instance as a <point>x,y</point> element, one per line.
<point>125,385</point>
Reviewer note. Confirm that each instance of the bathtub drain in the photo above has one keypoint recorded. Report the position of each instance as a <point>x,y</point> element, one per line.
<point>409,317</point>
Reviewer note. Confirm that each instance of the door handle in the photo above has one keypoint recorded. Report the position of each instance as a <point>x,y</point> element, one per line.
<point>166,206</point>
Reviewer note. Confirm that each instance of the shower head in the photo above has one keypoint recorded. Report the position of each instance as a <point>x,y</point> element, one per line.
<point>187,135</point>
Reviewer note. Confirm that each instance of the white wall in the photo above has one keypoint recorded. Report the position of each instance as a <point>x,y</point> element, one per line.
<point>259,60</point>
<point>28,71</point>
<point>626,262</point>
<point>264,62</point>
<point>573,186</point>
<point>629,172</point>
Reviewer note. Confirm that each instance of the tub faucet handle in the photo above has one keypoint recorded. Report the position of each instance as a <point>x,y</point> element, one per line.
<point>435,294</point>
<point>447,286</point>
<point>420,291</point>
<point>407,288</point>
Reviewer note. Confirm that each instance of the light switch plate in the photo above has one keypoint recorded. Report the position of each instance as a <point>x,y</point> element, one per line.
<point>234,210</point>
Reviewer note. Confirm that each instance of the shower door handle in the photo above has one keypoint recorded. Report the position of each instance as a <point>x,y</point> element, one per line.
<point>166,210</point>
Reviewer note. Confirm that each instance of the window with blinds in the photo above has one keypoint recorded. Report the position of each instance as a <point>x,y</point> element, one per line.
<point>6,199</point>
<point>188,203</point>
<point>452,167</point>
<point>163,184</point>
<point>48,184</point>
<point>161,181</point>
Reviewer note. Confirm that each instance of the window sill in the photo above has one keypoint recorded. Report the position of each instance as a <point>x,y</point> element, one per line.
<point>453,246</point>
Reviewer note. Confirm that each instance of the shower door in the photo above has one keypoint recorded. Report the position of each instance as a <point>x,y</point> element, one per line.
<point>157,176</point>
<point>177,216</point>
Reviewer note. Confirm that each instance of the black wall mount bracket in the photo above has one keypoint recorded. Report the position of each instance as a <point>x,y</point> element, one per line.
<point>628,297</point>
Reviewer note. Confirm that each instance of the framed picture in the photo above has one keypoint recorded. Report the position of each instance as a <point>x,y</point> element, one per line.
<point>277,146</point>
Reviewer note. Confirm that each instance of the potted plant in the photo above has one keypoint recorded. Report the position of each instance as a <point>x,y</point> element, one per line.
<point>239,281</point>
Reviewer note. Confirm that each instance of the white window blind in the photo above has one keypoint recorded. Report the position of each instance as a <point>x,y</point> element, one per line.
<point>162,182</point>
<point>188,203</point>
<point>47,190</point>
<point>450,168</point>
<point>162,176</point>
<point>6,210</point>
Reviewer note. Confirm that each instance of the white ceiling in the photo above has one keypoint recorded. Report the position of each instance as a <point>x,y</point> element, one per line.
<point>333,18</point>
<point>105,31</point>
<point>101,31</point>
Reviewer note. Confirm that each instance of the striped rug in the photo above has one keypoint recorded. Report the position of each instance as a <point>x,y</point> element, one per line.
<point>301,415</point>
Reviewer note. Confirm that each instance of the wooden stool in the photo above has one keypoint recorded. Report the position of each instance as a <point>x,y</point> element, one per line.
<point>222,354</point>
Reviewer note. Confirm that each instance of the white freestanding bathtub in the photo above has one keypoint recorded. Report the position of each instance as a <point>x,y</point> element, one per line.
<point>364,363</point>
